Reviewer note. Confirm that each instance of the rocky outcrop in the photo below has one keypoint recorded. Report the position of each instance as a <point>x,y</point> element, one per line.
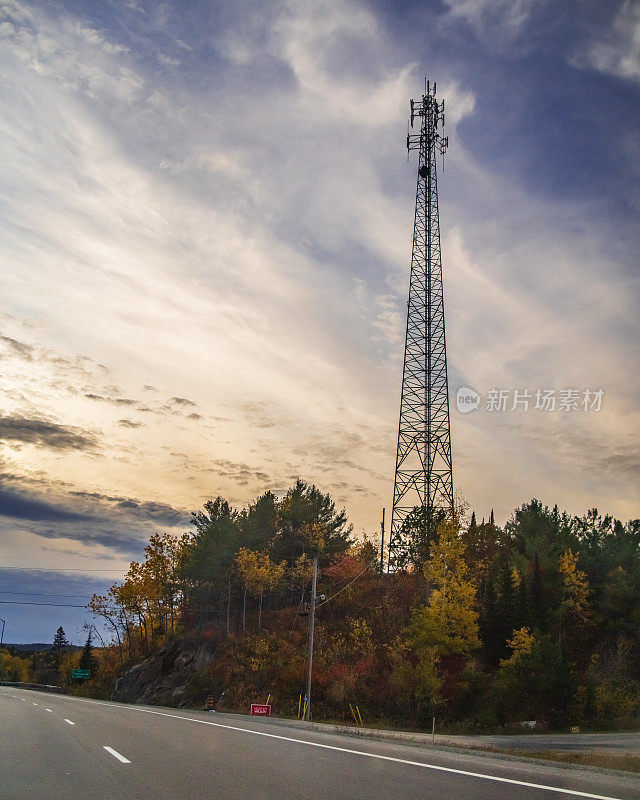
<point>162,679</point>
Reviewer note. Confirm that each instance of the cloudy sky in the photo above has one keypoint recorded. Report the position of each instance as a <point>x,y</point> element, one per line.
<point>206,214</point>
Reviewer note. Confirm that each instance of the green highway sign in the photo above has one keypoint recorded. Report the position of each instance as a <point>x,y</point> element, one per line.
<point>81,673</point>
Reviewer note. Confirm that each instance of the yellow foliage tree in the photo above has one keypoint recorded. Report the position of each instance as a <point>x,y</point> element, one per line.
<point>259,574</point>
<point>146,601</point>
<point>13,668</point>
<point>416,679</point>
<point>449,621</point>
<point>301,571</point>
<point>521,644</point>
<point>314,535</point>
<point>575,601</point>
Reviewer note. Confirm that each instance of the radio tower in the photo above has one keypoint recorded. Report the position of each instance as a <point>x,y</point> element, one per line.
<point>423,488</point>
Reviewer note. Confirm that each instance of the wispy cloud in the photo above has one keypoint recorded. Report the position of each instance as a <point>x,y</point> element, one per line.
<point>617,52</point>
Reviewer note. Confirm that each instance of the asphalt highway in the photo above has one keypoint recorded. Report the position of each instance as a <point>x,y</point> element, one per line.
<point>57,747</point>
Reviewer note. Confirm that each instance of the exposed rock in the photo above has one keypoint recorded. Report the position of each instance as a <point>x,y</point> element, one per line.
<point>162,679</point>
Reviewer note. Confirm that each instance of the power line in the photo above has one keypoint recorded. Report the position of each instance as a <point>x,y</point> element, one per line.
<point>60,569</point>
<point>27,603</point>
<point>373,561</point>
<point>42,594</point>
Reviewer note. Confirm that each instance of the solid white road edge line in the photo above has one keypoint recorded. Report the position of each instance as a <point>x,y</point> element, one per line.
<point>69,722</point>
<point>482,776</point>
<point>117,755</point>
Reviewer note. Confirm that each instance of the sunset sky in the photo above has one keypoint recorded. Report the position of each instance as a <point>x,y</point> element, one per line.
<point>206,219</point>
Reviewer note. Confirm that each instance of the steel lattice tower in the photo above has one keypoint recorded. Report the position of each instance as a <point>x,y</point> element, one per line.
<point>423,478</point>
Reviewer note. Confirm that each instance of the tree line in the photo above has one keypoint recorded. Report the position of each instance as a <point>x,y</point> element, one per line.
<point>479,625</point>
<point>52,666</point>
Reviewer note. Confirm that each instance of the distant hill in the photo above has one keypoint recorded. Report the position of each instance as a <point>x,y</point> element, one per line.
<point>34,647</point>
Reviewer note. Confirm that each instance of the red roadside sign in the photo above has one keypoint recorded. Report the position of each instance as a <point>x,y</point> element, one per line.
<point>260,710</point>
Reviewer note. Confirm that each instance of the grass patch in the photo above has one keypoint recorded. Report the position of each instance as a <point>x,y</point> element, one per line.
<point>624,761</point>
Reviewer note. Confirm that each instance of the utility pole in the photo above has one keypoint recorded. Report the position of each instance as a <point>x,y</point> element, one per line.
<point>382,543</point>
<point>423,486</point>
<point>2,634</point>
<point>312,620</point>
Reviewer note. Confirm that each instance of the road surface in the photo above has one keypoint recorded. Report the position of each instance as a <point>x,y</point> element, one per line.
<point>54,747</point>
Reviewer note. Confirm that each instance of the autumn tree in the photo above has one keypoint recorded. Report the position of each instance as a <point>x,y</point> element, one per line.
<point>449,621</point>
<point>258,574</point>
<point>415,677</point>
<point>535,681</point>
<point>575,608</point>
<point>13,668</point>
<point>299,574</point>
<point>107,608</point>
<point>160,578</point>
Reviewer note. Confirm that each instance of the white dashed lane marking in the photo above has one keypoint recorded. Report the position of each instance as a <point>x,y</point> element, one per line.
<point>117,755</point>
<point>68,721</point>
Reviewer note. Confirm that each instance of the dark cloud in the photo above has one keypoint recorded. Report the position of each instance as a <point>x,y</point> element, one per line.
<point>43,433</point>
<point>150,388</point>
<point>117,401</point>
<point>129,423</point>
<point>238,472</point>
<point>622,462</point>
<point>181,401</point>
<point>114,521</point>
<point>595,452</point>
<point>159,513</point>
<point>193,415</point>
<point>20,349</point>
<point>117,537</point>
<point>231,469</point>
<point>19,505</point>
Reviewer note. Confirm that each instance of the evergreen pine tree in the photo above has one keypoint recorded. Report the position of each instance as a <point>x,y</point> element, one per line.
<point>491,628</point>
<point>538,601</point>
<point>87,659</point>
<point>60,646</point>
<point>505,607</point>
